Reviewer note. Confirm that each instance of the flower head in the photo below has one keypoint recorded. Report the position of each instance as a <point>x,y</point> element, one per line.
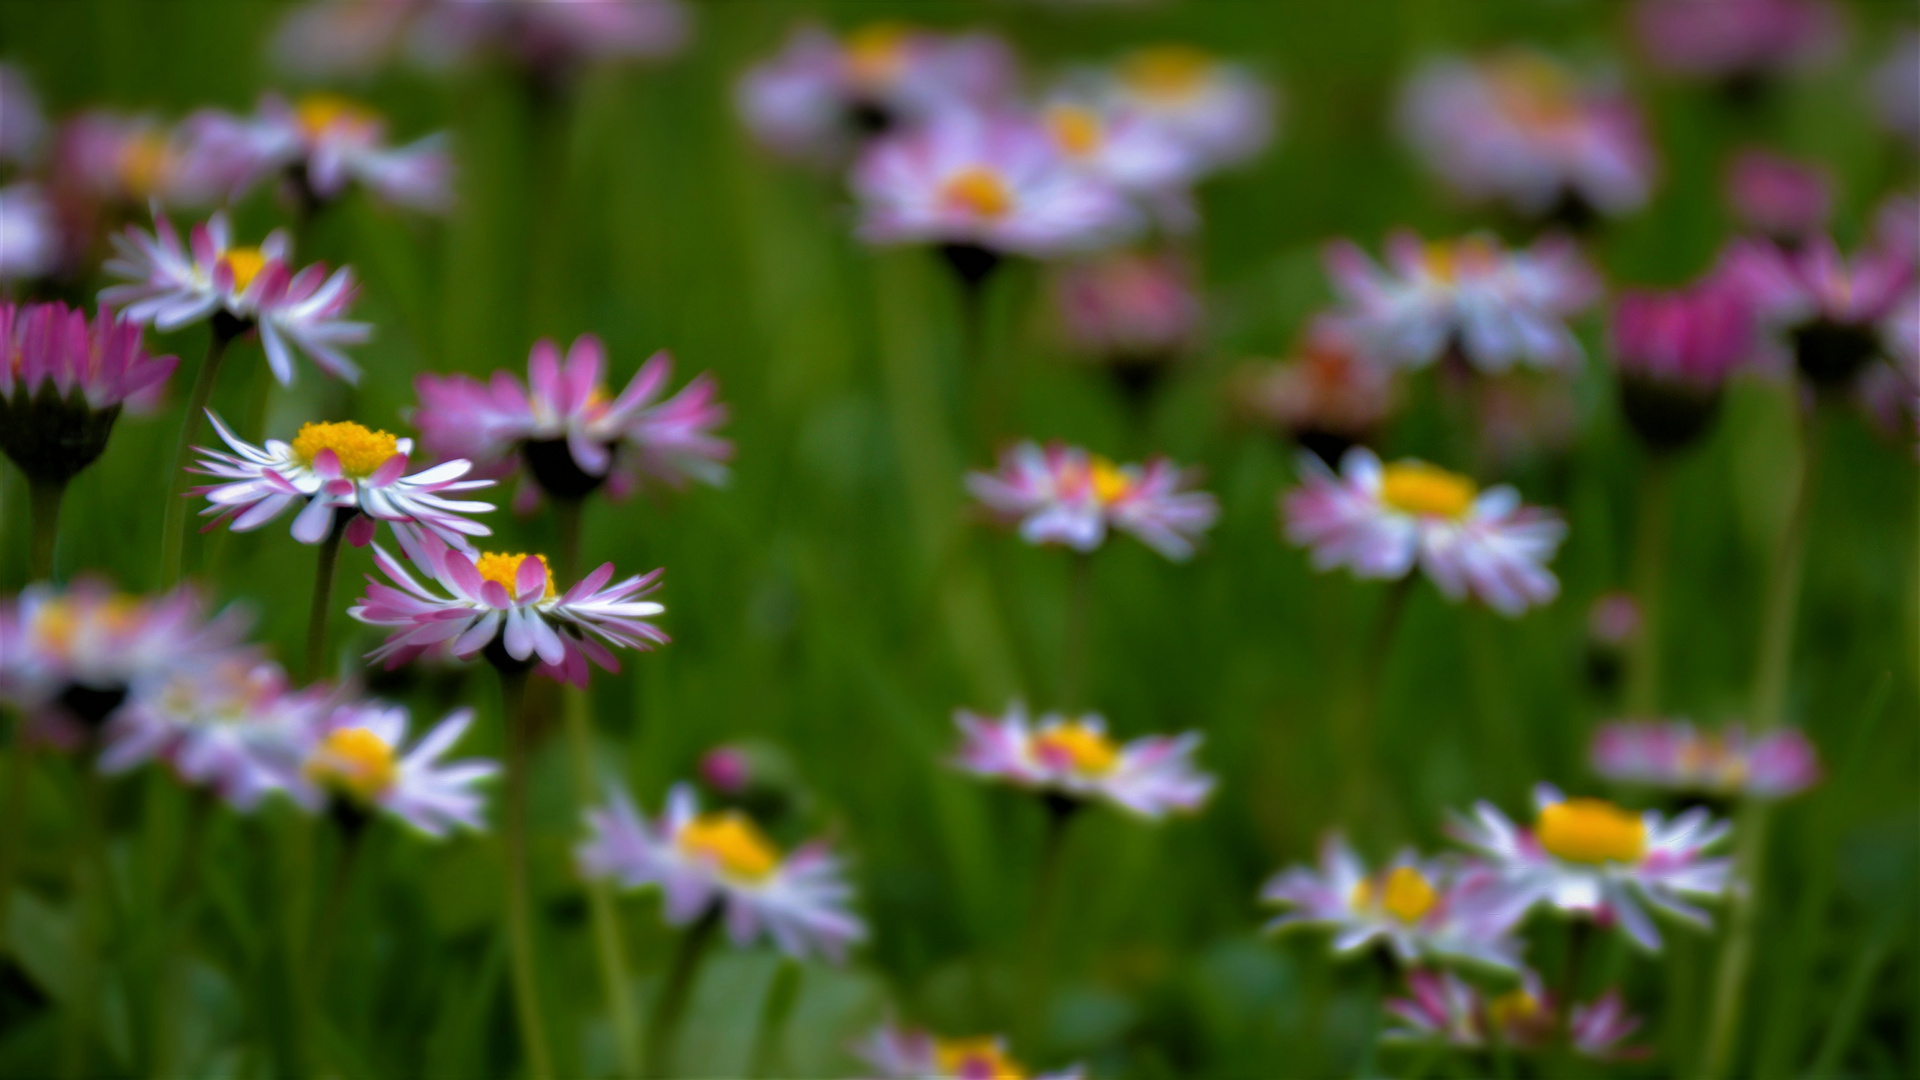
<point>1778,196</point>
<point>1677,756</point>
<point>1443,1007</point>
<point>900,1053</point>
<point>130,161</point>
<point>63,382</point>
<point>703,861</point>
<point>23,127</point>
<point>1222,112</point>
<point>30,245</point>
<point>1741,40</point>
<point>1328,397</point>
<point>1064,495</point>
<point>1143,156</point>
<point>1827,306</point>
<point>1074,757</point>
<point>325,142</point>
<point>358,756</point>
<point>1896,87</point>
<point>1129,308</point>
<point>1674,351</point>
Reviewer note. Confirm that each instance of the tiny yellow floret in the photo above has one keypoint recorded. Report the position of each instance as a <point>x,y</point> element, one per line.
<point>976,1059</point>
<point>733,841</point>
<point>979,190</point>
<point>355,762</point>
<point>505,569</point>
<point>1110,483</point>
<point>1408,895</point>
<point>1076,128</point>
<point>1512,1007</point>
<point>361,452</point>
<point>1168,72</point>
<point>318,112</point>
<point>1592,831</point>
<point>1089,750</point>
<point>874,52</point>
<point>1415,487</point>
<point>246,264</point>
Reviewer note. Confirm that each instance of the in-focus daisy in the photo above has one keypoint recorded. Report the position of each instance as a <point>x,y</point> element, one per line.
<point>250,287</point>
<point>63,383</point>
<point>1469,297</point>
<point>1674,352</point>
<point>335,472</point>
<point>722,862</point>
<point>508,607</point>
<point>1740,43</point>
<point>357,757</point>
<point>29,233</point>
<point>1443,1007</point>
<point>1221,111</point>
<point>1075,758</point>
<point>901,1053</point>
<point>1828,307</point>
<point>1522,128</point>
<point>1679,757</point>
<point>1064,495</point>
<point>1327,397</point>
<point>1590,858</point>
<point>1381,521</point>
<point>1419,909</point>
<point>323,143</point>
<point>571,436</point>
<point>1777,196</point>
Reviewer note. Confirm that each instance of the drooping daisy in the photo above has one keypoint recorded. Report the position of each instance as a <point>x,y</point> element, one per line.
<point>1491,307</point>
<point>1829,308</point>
<point>901,1053</point>
<point>1677,756</point>
<point>1445,1008</point>
<point>254,287</point>
<point>324,142</point>
<point>721,861</point>
<point>1738,43</point>
<point>568,433</point>
<point>1327,397</point>
<point>1074,757</point>
<point>507,603</point>
<point>1064,495</point>
<point>29,233</point>
<point>1222,111</point>
<point>63,383</point>
<point>1777,196</point>
<point>1590,858</point>
<point>1381,521</point>
<point>1419,909</point>
<point>1674,352</point>
<point>335,469</point>
<point>358,755</point>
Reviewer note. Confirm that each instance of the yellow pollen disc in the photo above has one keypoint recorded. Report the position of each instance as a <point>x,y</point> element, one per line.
<point>980,1058</point>
<point>1535,91</point>
<point>1089,750</point>
<point>318,112</point>
<point>355,762</point>
<point>1415,487</point>
<point>1592,831</point>
<point>874,52</point>
<point>246,263</point>
<point>1438,260</point>
<point>360,451</point>
<point>733,841</point>
<point>1076,128</point>
<point>144,162</point>
<point>1408,896</point>
<point>1512,1007</point>
<point>1110,485</point>
<point>979,190</point>
<point>1166,71</point>
<point>505,569</point>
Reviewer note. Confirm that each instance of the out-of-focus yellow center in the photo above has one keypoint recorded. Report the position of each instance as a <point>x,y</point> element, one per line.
<point>57,622</point>
<point>1408,895</point>
<point>318,112</point>
<point>875,53</point>
<point>980,1058</point>
<point>144,162</point>
<point>1438,260</point>
<point>1076,128</point>
<point>360,451</point>
<point>1110,484</point>
<point>1592,831</point>
<point>979,190</point>
<point>1089,750</point>
<point>246,264</point>
<point>504,569</point>
<point>355,762</point>
<point>1534,91</point>
<point>1511,1008</point>
<point>1415,487</point>
<point>1167,72</point>
<point>732,840</point>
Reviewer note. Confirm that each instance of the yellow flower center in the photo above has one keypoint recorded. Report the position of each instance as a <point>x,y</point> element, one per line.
<point>1510,1008</point>
<point>1408,895</point>
<point>1076,128</point>
<point>144,162</point>
<point>874,52</point>
<point>975,1059</point>
<point>355,762</point>
<point>315,113</point>
<point>732,840</point>
<point>1415,487</point>
<point>1167,72</point>
<point>360,451</point>
<point>1110,484</point>
<point>979,190</point>
<point>1592,831</point>
<point>246,264</point>
<point>1089,750</point>
<point>505,569</point>
<point>58,622</point>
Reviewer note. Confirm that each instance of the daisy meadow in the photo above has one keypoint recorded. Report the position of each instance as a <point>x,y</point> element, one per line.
<point>250,287</point>
<point>359,761</point>
<point>508,607</point>
<point>720,862</point>
<point>1827,306</point>
<point>901,1053</point>
<point>63,383</point>
<point>1676,756</point>
<point>337,473</point>
<point>1327,397</point>
<point>1590,858</point>
<point>1075,758</point>
<point>1442,1007</point>
<point>1221,111</point>
<point>1418,909</point>
<point>323,143</point>
<point>1470,298</point>
<point>29,233</point>
<point>1066,496</point>
<point>1381,521</point>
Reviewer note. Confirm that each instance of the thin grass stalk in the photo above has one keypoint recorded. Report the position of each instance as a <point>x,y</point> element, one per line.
<point>322,606</point>
<point>44,508</point>
<point>91,885</point>
<point>180,900</point>
<point>526,984</point>
<point>1362,765</point>
<point>174,524</point>
<point>1649,584</point>
<point>14,824</point>
<point>1043,923</point>
<point>1079,628</point>
<point>663,1031</point>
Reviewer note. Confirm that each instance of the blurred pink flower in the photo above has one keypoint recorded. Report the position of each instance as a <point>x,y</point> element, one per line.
<point>30,242</point>
<point>1129,307</point>
<point>900,1053</point>
<point>1326,397</point>
<point>356,757</point>
<point>1220,111</point>
<point>1073,757</point>
<point>1828,307</point>
<point>1066,496</point>
<point>23,127</point>
<point>1896,87</point>
<point>1614,621</point>
<point>323,142</point>
<point>1678,757</point>
<point>1445,1008</point>
<point>1777,196</point>
<point>131,161</point>
<point>1674,351</point>
<point>1143,156</point>
<point>1738,39</point>
<point>546,37</point>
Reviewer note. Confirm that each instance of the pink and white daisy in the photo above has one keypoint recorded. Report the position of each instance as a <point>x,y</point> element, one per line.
<point>1418,909</point>
<point>1469,297</point>
<point>1381,521</point>
<point>132,161</point>
<point>1590,858</point>
<point>336,469</point>
<point>508,603</point>
<point>720,860</point>
<point>901,1053</point>
<point>63,383</point>
<point>1828,307</point>
<point>358,754</point>
<point>1064,495</point>
<point>1327,397</point>
<point>1676,756</point>
<point>1522,128</point>
<point>1074,757</point>
<point>29,233</point>
<point>567,431</point>
<point>1445,1008</point>
<point>325,142</point>
<point>1221,111</point>
<point>1778,196</point>
<point>1739,40</point>
<point>1144,157</point>
<point>1130,308</point>
<point>172,286</point>
<point>1674,352</point>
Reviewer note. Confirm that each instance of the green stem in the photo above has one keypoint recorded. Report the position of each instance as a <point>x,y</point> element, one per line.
<point>1043,921</point>
<point>323,595</point>
<point>1073,651</point>
<point>172,530</point>
<point>91,883</point>
<point>333,910</point>
<point>180,900</point>
<point>1362,761</point>
<point>1649,584</point>
<point>663,1031</point>
<point>14,824</point>
<point>526,989</point>
<point>44,496</point>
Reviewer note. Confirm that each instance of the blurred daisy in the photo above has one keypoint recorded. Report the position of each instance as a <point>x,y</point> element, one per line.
<point>571,436</point>
<point>1074,757</point>
<point>547,38</point>
<point>1741,42</point>
<point>1064,495</point>
<point>1676,756</point>
<point>131,161</point>
<point>1674,352</point>
<point>254,287</point>
<point>1380,521</point>
<point>1221,111</point>
<point>1828,307</point>
<point>1415,908</point>
<point>1778,196</point>
<point>323,142</point>
<point>899,1053</point>
<point>358,755</point>
<point>29,233</point>
<point>1522,128</point>
<point>23,127</point>
<point>1327,397</point>
<point>1135,312</point>
<point>1469,298</point>
<point>507,606</point>
<point>1442,1007</point>
<point>1895,87</point>
<point>63,383</point>
<point>1143,157</point>
<point>1590,858</point>
<point>722,862</point>
<point>331,470</point>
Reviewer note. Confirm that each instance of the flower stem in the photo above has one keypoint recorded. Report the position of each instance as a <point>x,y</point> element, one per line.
<point>1073,650</point>
<point>91,884</point>
<point>1649,584</point>
<point>663,1032</point>
<point>44,496</point>
<point>526,989</point>
<point>1043,920</point>
<point>323,596</point>
<point>1362,761</point>
<point>172,531</point>
<point>15,822</point>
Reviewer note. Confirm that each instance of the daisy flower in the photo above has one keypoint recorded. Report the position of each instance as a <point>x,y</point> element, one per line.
<point>1327,397</point>
<point>1144,157</point>
<point>1588,857</point>
<point>29,233</point>
<point>570,435</point>
<point>1416,908</point>
<point>63,383</point>
<point>358,755</point>
<point>131,161</point>
<point>1521,128</point>
<point>1442,1007</point>
<point>1074,757</point>
<point>1380,521</point>
<point>1676,756</point>
<point>721,862</point>
<point>1221,111</point>
<point>333,470</point>
<point>1738,43</point>
<point>900,1053</point>
<point>1674,352</point>
<point>1469,297</point>
<point>548,38</point>
<point>1778,196</point>
<point>1136,311</point>
<point>508,607</point>
<point>1827,306</point>
<point>253,287</point>
<point>324,142</point>
<point>1064,495</point>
